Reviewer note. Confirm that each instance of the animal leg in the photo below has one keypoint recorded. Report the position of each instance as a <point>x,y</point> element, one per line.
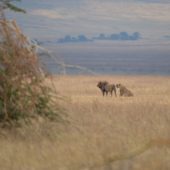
<point>115,92</point>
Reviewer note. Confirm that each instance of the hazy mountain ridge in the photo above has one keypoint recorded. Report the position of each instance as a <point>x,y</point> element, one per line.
<point>109,57</point>
<point>122,36</point>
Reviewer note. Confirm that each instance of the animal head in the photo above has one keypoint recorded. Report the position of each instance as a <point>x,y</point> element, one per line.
<point>101,84</point>
<point>118,85</point>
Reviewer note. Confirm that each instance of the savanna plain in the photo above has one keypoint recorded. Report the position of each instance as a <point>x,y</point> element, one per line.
<point>96,132</point>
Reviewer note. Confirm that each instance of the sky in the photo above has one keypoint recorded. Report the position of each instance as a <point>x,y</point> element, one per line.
<point>105,36</point>
<point>54,19</point>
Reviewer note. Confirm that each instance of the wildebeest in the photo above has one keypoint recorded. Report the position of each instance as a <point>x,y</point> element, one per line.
<point>106,88</point>
<point>124,91</point>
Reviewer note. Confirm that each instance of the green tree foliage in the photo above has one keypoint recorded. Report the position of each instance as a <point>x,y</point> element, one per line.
<point>7,4</point>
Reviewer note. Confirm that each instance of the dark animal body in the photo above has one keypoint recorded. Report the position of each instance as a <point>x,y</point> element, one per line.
<point>124,91</point>
<point>106,88</point>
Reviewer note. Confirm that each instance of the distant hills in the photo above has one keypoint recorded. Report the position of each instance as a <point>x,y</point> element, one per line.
<point>123,36</point>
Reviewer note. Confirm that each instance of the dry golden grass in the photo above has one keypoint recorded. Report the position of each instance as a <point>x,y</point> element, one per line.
<point>100,133</point>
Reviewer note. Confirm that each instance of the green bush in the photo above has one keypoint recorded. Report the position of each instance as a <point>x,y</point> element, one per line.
<point>23,93</point>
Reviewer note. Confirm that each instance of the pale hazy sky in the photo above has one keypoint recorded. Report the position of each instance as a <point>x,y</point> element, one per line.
<point>56,18</point>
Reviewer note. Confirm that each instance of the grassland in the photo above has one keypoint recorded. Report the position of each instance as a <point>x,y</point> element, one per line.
<point>98,133</point>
